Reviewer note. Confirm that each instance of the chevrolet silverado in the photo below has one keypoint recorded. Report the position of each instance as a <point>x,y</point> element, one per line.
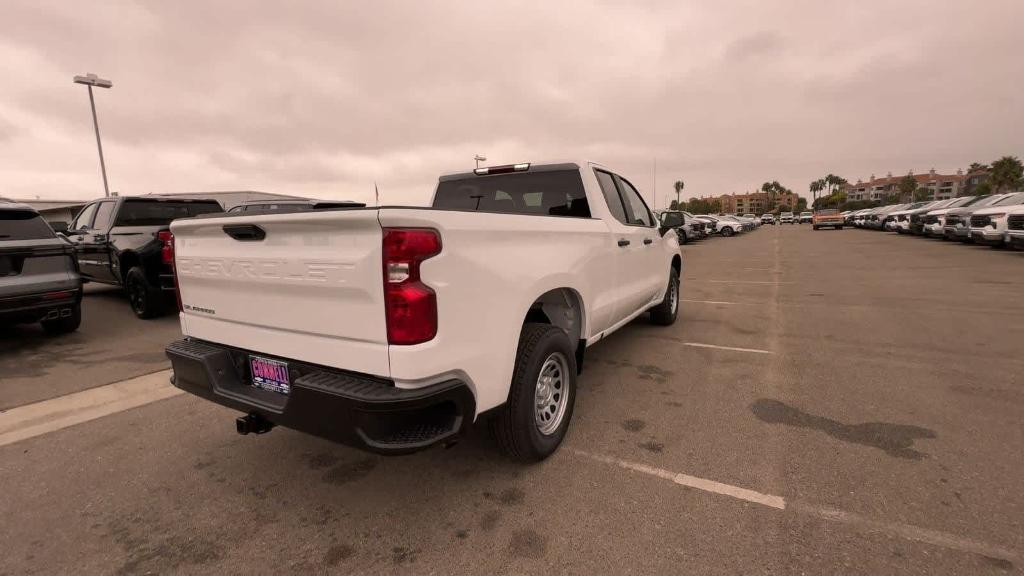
<point>394,328</point>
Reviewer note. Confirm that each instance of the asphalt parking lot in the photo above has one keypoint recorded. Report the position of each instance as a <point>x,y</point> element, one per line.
<point>830,402</point>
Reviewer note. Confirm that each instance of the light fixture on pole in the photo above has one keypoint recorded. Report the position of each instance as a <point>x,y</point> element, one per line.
<point>479,159</point>
<point>91,80</point>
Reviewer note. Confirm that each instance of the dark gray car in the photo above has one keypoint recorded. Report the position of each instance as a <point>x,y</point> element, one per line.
<point>39,279</point>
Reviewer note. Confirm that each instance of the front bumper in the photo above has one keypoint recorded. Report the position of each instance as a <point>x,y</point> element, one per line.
<point>986,236</point>
<point>1015,238</point>
<point>353,409</point>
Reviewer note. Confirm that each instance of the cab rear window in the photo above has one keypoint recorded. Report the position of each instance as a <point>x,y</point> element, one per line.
<point>543,193</point>
<point>23,225</point>
<point>159,213</point>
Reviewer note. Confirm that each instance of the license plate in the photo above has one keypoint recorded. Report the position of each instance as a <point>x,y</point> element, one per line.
<point>270,374</point>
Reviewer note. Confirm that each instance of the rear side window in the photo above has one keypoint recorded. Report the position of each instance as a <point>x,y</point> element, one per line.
<point>611,195</point>
<point>544,193</point>
<point>159,213</point>
<point>23,225</point>
<point>639,215</point>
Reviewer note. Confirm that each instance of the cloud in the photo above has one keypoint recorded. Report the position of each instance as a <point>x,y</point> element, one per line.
<point>325,98</point>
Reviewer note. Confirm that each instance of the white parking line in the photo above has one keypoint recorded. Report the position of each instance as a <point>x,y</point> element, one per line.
<point>693,481</point>
<point>906,531</point>
<point>743,281</point>
<point>32,420</point>
<point>720,302</point>
<point>731,348</point>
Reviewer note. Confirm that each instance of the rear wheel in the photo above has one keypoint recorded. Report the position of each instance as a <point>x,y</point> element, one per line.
<point>147,301</point>
<point>665,314</point>
<point>532,424</point>
<point>66,324</point>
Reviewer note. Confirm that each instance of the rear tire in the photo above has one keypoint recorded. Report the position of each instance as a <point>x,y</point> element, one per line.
<point>147,301</point>
<point>665,313</point>
<point>66,325</point>
<point>529,428</point>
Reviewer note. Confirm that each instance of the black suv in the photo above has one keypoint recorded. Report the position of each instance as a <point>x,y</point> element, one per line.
<point>39,279</point>
<point>127,242</point>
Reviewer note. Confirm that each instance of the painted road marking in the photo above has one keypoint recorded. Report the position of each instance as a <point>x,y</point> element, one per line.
<point>33,420</point>
<point>906,531</point>
<point>721,302</point>
<point>731,348</point>
<point>746,282</point>
<point>693,481</point>
<point>711,346</point>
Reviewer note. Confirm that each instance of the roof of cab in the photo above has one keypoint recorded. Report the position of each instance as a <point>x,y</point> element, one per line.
<point>6,204</point>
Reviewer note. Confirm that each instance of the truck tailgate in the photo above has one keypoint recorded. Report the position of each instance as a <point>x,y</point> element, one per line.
<point>310,289</point>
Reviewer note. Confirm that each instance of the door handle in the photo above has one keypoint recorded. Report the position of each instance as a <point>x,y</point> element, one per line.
<point>623,242</point>
<point>648,240</point>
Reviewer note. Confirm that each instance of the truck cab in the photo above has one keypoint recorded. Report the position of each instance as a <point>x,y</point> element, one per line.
<point>127,242</point>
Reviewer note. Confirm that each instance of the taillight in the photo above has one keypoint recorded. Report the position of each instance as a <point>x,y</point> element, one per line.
<point>174,274</point>
<point>167,250</point>
<point>410,305</point>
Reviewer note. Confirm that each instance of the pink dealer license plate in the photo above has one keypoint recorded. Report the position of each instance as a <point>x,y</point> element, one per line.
<point>270,374</point>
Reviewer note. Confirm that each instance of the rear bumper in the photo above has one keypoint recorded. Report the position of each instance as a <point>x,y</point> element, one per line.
<point>353,409</point>
<point>37,306</point>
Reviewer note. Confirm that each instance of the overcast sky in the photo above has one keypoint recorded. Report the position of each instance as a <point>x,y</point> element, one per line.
<point>324,98</point>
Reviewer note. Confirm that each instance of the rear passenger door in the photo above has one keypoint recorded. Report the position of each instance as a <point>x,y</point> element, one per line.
<point>651,276</point>
<point>627,240</point>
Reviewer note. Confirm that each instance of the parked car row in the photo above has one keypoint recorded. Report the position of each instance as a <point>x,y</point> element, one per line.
<point>994,220</point>
<point>695,227</point>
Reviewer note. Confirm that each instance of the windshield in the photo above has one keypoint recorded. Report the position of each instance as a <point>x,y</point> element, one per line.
<point>161,212</point>
<point>1011,200</point>
<point>23,225</point>
<point>828,212</point>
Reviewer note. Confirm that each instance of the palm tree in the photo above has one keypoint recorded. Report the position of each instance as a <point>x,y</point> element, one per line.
<point>815,187</point>
<point>679,185</point>
<point>1007,174</point>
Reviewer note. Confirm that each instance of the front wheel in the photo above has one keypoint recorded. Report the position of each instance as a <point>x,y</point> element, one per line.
<point>727,232</point>
<point>532,424</point>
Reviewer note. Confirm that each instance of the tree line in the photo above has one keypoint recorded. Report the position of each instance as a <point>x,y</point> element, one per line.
<point>1003,175</point>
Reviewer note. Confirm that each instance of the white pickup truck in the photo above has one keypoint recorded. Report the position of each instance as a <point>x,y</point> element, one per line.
<point>394,328</point>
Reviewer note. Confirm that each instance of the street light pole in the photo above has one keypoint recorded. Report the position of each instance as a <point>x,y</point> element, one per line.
<point>91,80</point>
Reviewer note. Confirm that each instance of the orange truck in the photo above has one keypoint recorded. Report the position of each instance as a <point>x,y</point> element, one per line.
<point>827,218</point>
